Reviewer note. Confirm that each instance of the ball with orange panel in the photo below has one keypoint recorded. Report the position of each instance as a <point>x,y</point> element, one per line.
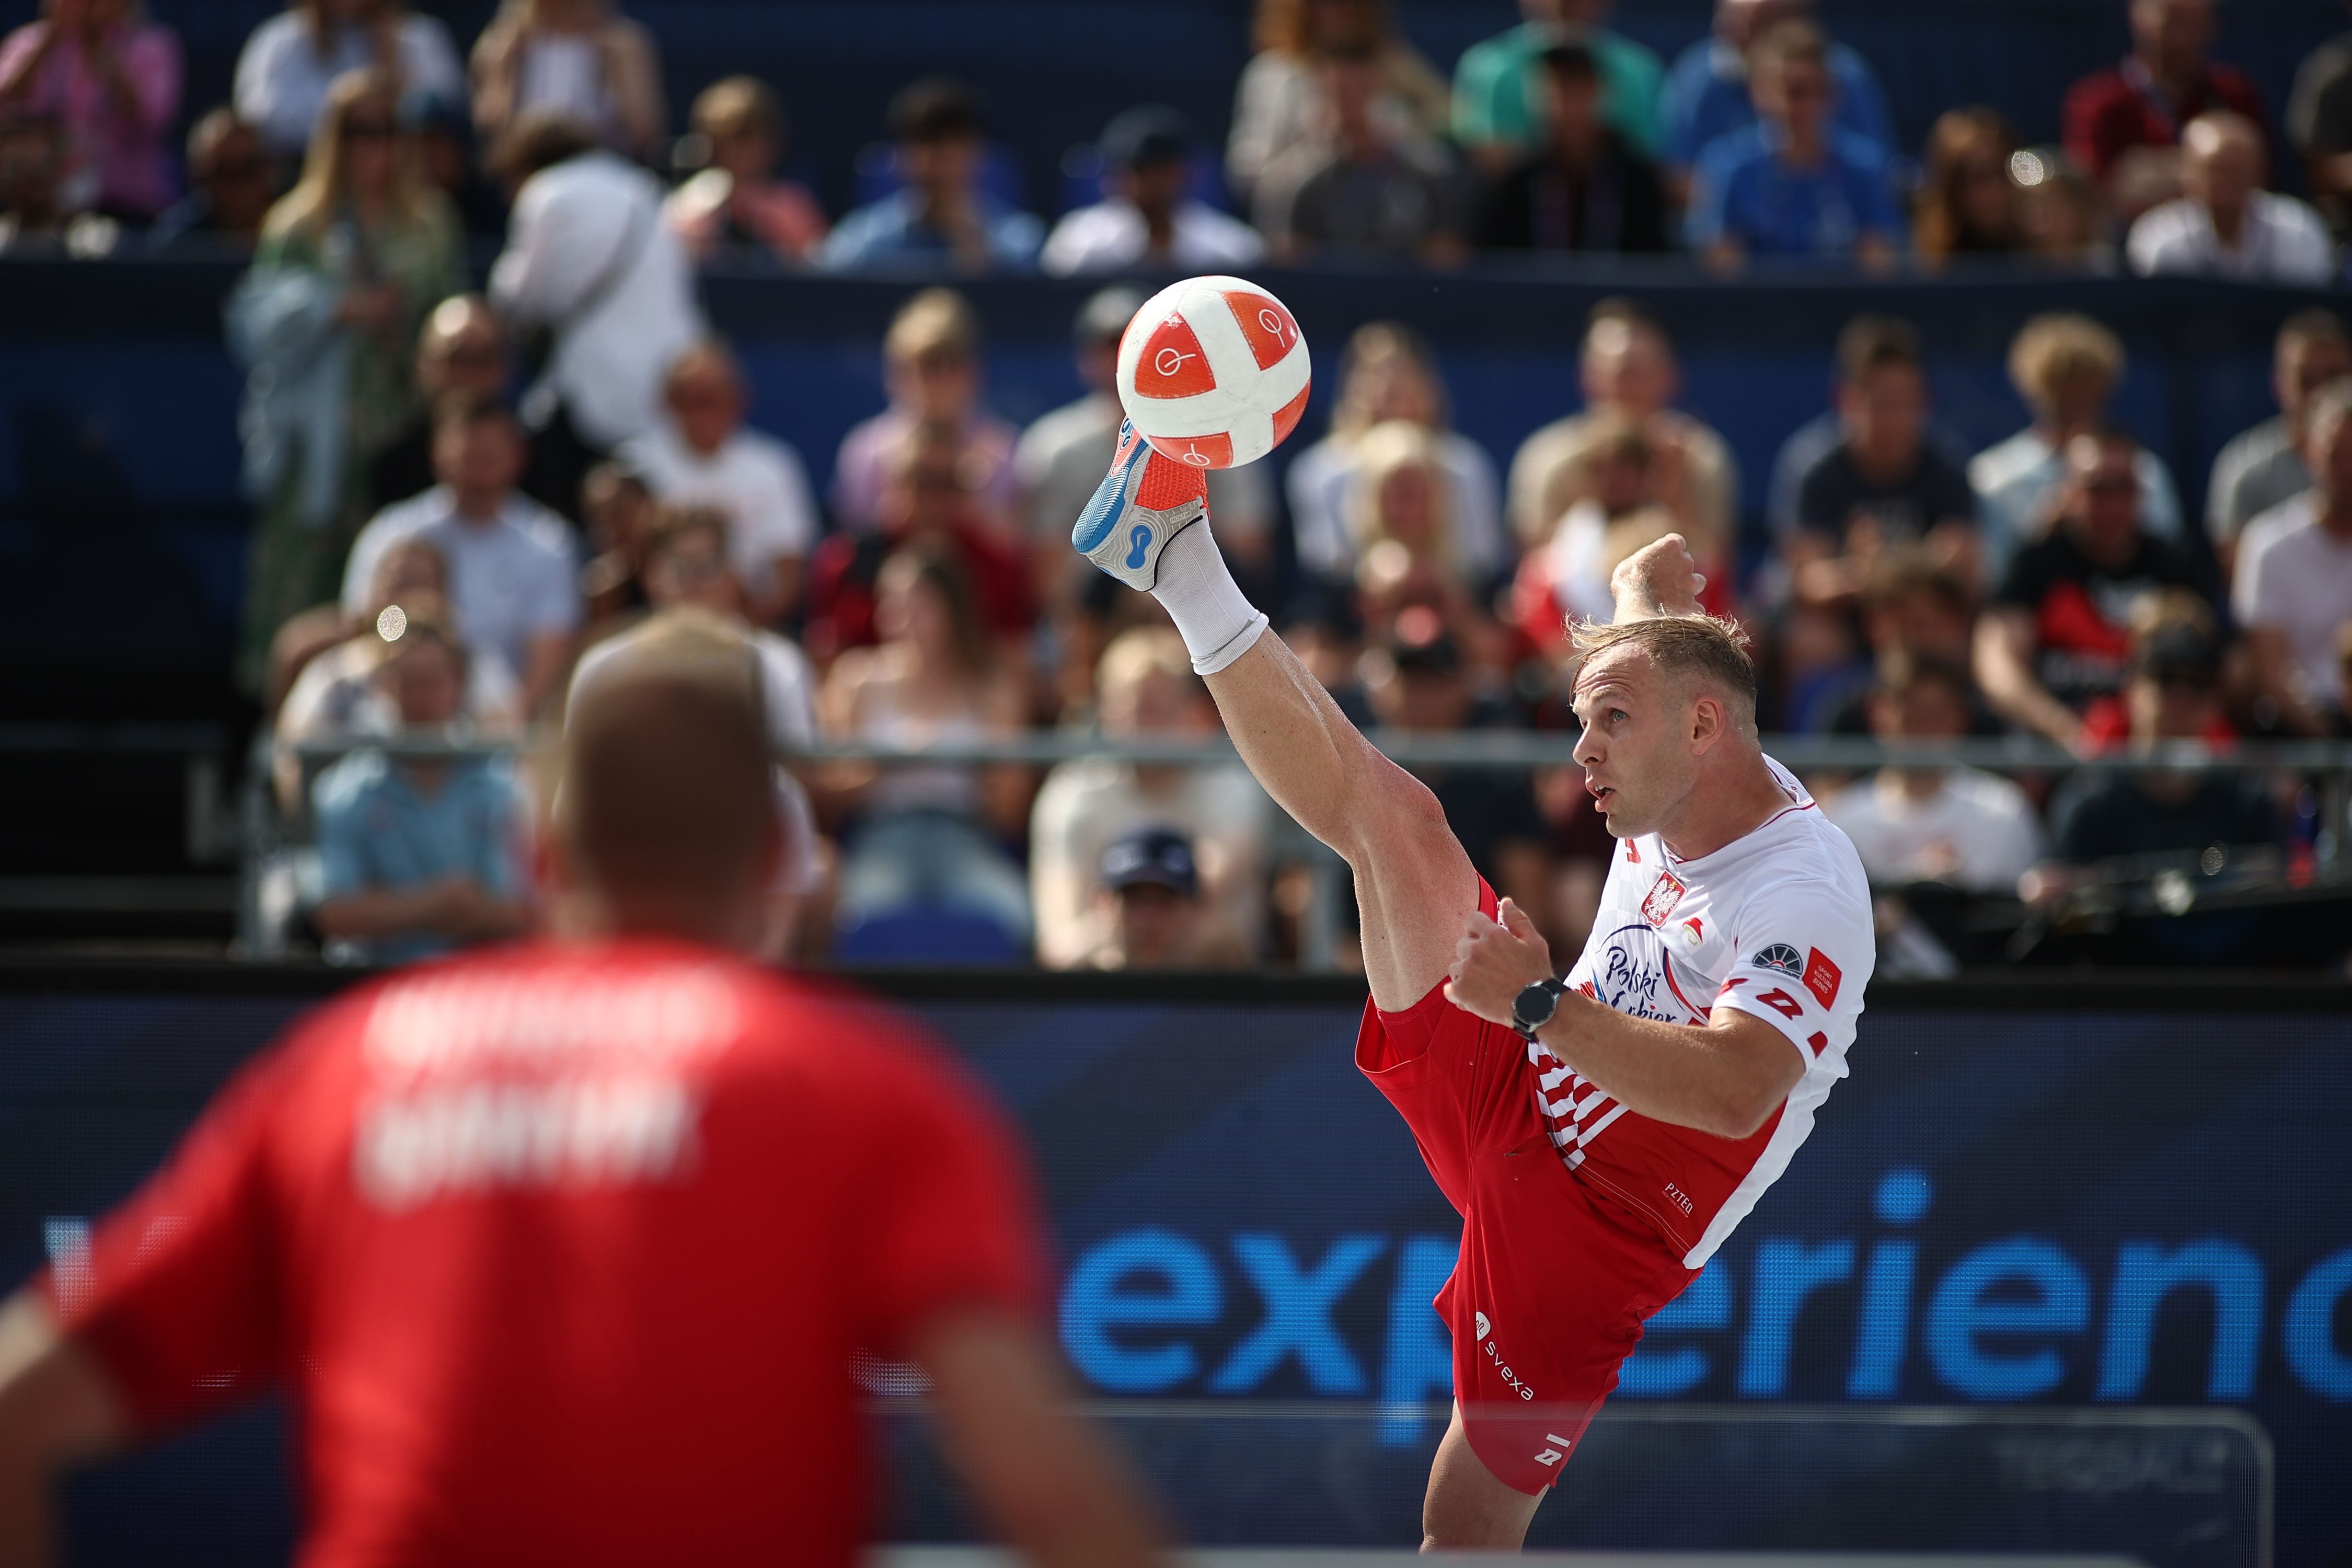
<point>1214,371</point>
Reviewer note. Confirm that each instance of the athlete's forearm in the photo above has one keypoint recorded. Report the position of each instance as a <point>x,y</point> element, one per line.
<point>1724,1078</point>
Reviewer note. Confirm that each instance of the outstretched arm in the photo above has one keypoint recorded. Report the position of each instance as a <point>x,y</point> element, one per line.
<point>56,1406</point>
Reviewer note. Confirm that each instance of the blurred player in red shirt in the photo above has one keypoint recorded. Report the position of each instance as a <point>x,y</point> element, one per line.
<point>565,1250</point>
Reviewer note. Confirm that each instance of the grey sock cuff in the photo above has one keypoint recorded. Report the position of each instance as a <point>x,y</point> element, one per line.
<point>1232,647</point>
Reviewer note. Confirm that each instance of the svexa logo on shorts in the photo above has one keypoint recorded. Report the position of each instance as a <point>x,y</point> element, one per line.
<point>1665,894</point>
<point>1484,1327</point>
<point>1510,1378</point>
<point>1782,957</point>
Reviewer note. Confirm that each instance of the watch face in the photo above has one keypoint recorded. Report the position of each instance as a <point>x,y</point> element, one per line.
<point>1534,1004</point>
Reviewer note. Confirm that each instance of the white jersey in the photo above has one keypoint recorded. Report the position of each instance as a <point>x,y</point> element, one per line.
<point>1777,925</point>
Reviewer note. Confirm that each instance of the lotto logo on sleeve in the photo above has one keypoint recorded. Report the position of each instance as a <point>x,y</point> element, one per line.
<point>1779,956</point>
<point>1821,976</point>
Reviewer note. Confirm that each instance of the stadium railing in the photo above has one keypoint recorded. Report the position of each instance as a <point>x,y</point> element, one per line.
<point>2311,866</point>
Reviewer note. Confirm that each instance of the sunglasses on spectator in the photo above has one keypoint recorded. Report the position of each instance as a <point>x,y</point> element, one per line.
<point>239,169</point>
<point>2122,486</point>
<point>369,130</point>
<point>472,354</point>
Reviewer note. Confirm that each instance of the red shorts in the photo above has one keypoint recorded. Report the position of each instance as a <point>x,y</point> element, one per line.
<point>1554,1280</point>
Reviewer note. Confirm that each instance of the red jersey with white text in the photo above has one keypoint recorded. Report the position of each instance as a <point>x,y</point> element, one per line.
<point>1776,924</point>
<point>565,1253</point>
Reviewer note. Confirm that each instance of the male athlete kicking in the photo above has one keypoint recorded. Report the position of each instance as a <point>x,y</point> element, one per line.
<point>1600,1135</point>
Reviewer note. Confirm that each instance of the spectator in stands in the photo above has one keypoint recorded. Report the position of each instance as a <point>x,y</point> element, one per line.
<point>32,150</point>
<point>1884,484</point>
<point>1147,216</point>
<point>462,349</point>
<point>588,258</point>
<point>514,577</point>
<point>2060,215</point>
<point>2319,127</point>
<point>2174,694</point>
<point>352,262</point>
<point>1061,460</point>
<point>927,502</point>
<point>698,606</point>
<point>1795,182</point>
<point>940,216</point>
<point>2293,587</point>
<point>931,370</point>
<point>581,59</point>
<point>2262,467</point>
<point>2124,124</point>
<point>618,515</point>
<point>1145,689</point>
<point>1566,575</point>
<point>1913,606</point>
<point>1967,204</point>
<point>289,63</point>
<point>445,137</point>
<point>1974,830</point>
<point>1627,370</point>
<point>703,455</point>
<point>1581,187</point>
<point>1151,895</point>
<point>1418,683</point>
<point>1281,98</point>
<point>231,182</point>
<point>111,77</point>
<point>2067,368</point>
<point>1388,373</point>
<point>736,201</point>
<point>929,837</point>
<point>420,856</point>
<point>1364,188</point>
<point>2058,632</point>
<point>2223,225</point>
<point>1405,547</point>
<point>1707,94</point>
<point>1498,87</point>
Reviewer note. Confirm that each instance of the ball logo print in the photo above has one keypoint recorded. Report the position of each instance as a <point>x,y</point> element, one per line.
<point>1214,371</point>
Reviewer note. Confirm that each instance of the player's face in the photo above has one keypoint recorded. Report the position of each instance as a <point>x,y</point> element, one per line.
<point>1635,748</point>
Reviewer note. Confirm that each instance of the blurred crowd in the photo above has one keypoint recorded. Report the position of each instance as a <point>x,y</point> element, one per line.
<point>1767,140</point>
<point>470,499</point>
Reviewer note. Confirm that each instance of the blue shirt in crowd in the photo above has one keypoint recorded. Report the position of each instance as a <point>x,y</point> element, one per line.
<point>1705,99</point>
<point>1742,192</point>
<point>377,831</point>
<point>892,230</point>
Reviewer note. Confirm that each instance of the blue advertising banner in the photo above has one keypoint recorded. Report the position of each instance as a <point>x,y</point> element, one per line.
<point>2019,1203</point>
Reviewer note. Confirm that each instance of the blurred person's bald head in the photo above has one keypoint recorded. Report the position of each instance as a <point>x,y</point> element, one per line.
<point>666,819</point>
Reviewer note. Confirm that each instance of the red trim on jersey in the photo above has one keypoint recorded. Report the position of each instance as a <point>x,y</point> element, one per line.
<point>1819,1042</point>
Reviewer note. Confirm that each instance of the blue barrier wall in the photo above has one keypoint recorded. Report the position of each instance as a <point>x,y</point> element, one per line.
<point>2107,1198</point>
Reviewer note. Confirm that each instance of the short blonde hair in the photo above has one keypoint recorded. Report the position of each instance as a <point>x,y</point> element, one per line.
<point>740,105</point>
<point>1707,649</point>
<point>1137,654</point>
<point>2053,350</point>
<point>935,322</point>
<point>1385,450</point>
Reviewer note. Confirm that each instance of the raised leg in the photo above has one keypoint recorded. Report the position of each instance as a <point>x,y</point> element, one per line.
<point>1467,1508</point>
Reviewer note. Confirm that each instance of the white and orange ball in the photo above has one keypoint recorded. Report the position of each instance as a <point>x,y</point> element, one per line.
<point>1214,371</point>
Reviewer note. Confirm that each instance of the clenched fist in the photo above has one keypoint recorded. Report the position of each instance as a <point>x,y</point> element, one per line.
<point>1659,579</point>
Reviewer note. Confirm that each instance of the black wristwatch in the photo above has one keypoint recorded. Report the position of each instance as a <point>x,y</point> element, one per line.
<point>1536,1005</point>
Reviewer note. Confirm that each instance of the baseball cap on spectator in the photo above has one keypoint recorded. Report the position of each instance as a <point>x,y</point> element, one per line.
<point>2177,652</point>
<point>1104,315</point>
<point>1157,856</point>
<point>1420,645</point>
<point>1146,137</point>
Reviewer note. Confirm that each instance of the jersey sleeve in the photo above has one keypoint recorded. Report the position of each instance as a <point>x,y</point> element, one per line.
<point>177,1297</point>
<point>1803,953</point>
<point>947,1218</point>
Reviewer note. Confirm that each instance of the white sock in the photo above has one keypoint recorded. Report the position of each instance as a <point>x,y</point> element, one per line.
<point>1217,624</point>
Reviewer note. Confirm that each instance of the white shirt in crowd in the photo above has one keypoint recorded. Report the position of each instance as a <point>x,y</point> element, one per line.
<point>2280,240</point>
<point>1084,806</point>
<point>588,255</point>
<point>2294,577</point>
<point>757,480</point>
<point>282,78</point>
<point>1111,236</point>
<point>788,693</point>
<point>1318,486</point>
<point>512,579</point>
<point>1978,831</point>
<point>1776,924</point>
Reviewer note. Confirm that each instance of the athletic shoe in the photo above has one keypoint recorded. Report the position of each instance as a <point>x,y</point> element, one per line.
<point>1143,503</point>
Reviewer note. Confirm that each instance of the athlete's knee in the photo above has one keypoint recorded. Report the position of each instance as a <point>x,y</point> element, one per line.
<point>1402,818</point>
